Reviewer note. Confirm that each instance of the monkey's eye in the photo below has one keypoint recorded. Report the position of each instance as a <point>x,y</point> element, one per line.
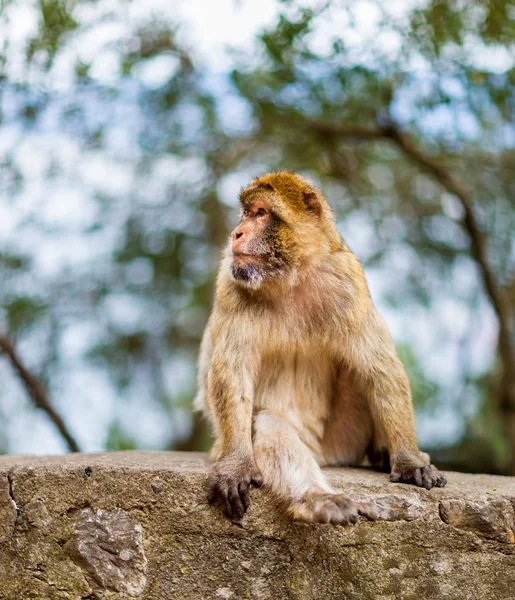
<point>260,212</point>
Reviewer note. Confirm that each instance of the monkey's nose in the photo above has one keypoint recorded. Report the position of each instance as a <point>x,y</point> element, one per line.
<point>237,239</point>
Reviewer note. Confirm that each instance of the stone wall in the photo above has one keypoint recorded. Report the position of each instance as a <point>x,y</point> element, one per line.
<point>137,525</point>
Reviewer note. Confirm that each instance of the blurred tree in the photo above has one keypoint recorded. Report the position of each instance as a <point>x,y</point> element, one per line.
<point>124,147</point>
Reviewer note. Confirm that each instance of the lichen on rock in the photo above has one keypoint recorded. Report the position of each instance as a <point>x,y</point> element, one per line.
<point>108,546</point>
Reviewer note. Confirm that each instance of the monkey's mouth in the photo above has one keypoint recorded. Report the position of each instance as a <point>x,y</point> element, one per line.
<point>249,269</point>
<point>239,257</point>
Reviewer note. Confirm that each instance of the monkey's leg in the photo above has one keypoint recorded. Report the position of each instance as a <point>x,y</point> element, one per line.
<point>349,430</point>
<point>349,435</point>
<point>291,472</point>
<point>383,382</point>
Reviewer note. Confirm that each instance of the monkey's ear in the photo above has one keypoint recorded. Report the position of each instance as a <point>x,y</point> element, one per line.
<point>313,203</point>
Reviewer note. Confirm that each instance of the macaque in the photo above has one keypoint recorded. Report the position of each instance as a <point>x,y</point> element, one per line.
<point>297,369</point>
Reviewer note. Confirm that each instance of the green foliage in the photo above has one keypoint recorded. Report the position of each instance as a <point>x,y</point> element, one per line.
<point>118,439</point>
<point>423,389</point>
<point>15,262</point>
<point>23,312</point>
<point>56,24</point>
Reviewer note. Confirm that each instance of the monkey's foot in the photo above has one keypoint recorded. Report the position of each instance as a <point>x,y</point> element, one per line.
<point>229,483</point>
<point>334,508</point>
<point>428,476</point>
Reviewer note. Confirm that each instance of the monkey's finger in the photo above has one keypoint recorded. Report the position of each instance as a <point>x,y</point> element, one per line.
<point>429,476</point>
<point>329,513</point>
<point>367,510</point>
<point>417,476</point>
<point>395,477</point>
<point>352,516</point>
<point>222,495</point>
<point>349,510</point>
<point>212,494</point>
<point>427,480</point>
<point>218,493</point>
<point>243,490</point>
<point>237,509</point>
<point>349,514</point>
<point>438,479</point>
<point>442,481</point>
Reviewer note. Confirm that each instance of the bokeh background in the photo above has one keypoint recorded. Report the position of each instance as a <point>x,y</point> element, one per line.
<point>127,129</point>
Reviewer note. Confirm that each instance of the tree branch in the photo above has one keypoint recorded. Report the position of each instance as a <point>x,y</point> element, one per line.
<point>477,239</point>
<point>337,131</point>
<point>470,224</point>
<point>37,392</point>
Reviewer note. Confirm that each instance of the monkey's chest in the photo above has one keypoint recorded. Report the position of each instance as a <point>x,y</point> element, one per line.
<point>298,384</point>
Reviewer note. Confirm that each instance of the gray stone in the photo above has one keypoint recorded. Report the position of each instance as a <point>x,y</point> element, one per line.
<point>108,545</point>
<point>490,517</point>
<point>137,525</point>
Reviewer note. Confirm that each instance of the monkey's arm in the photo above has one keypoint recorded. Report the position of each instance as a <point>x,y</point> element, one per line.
<point>383,381</point>
<point>229,396</point>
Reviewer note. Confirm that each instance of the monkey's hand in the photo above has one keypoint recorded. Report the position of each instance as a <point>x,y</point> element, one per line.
<point>427,476</point>
<point>229,482</point>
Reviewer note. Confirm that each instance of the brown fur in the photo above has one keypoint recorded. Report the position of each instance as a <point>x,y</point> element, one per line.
<point>297,369</point>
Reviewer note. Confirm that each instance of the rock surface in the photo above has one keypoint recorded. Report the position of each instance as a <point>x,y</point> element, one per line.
<point>137,525</point>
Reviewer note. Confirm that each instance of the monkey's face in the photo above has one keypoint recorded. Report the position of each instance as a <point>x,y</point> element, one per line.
<point>257,251</point>
<point>285,226</point>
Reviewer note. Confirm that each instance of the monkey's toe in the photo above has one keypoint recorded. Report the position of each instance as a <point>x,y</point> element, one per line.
<point>427,477</point>
<point>336,509</point>
<point>368,511</point>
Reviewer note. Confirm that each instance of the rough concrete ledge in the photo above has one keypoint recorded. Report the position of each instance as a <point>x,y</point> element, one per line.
<point>137,525</point>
